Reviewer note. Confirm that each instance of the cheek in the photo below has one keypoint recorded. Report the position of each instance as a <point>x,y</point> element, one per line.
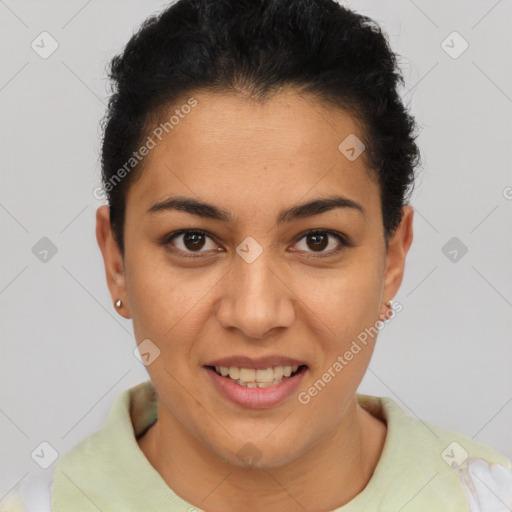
<point>349,304</point>
<point>347,300</point>
<point>350,309</point>
<point>167,304</point>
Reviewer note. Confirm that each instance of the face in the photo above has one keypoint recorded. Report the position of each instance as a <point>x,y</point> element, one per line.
<point>227,269</point>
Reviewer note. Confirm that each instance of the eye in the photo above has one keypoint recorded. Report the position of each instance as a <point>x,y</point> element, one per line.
<point>188,242</point>
<point>191,242</point>
<point>318,240</point>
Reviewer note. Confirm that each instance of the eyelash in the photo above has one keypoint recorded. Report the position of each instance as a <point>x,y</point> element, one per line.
<point>343,240</point>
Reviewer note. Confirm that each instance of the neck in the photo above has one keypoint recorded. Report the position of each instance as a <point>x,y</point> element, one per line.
<point>324,478</point>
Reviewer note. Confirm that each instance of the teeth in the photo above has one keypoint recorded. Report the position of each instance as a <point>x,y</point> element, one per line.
<point>264,375</point>
<point>247,374</point>
<point>267,384</point>
<point>257,384</point>
<point>278,372</point>
<point>251,378</point>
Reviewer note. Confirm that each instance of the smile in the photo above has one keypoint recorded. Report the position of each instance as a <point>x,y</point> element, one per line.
<point>260,378</point>
<point>268,385</point>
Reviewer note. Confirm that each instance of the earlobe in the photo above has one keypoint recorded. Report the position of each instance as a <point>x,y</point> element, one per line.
<point>398,247</point>
<point>113,261</point>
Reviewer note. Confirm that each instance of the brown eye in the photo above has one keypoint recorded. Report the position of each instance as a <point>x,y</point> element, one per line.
<point>317,241</point>
<point>193,240</point>
<point>190,243</point>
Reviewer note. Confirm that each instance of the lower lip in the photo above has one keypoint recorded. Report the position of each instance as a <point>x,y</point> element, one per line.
<point>256,398</point>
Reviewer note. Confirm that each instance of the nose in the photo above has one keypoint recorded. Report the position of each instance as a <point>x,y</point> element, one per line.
<point>256,299</point>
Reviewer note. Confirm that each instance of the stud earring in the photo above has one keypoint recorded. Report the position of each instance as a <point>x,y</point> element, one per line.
<point>119,303</point>
<point>384,316</point>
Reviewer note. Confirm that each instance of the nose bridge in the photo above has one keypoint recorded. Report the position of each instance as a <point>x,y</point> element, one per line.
<point>256,300</point>
<point>252,265</point>
<point>256,281</point>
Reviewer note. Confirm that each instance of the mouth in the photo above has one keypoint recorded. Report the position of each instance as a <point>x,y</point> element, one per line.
<point>256,383</point>
<point>258,378</point>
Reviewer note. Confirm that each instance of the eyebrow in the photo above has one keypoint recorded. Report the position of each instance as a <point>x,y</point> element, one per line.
<point>300,211</point>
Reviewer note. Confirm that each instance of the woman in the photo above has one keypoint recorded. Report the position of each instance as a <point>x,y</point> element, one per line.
<point>258,162</point>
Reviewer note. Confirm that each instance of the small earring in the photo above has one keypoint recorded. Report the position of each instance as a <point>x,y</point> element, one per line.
<point>119,303</point>
<point>388,303</point>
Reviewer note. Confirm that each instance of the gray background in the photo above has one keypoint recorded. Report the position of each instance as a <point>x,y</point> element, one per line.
<point>66,354</point>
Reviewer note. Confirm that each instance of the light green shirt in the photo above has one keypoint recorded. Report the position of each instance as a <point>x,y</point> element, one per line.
<point>423,468</point>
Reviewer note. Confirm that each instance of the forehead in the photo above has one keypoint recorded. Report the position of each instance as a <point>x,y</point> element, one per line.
<point>278,151</point>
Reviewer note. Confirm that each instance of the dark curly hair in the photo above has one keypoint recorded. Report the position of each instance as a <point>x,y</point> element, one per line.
<point>259,47</point>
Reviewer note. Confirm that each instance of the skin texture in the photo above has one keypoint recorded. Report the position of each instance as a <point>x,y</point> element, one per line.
<point>253,160</point>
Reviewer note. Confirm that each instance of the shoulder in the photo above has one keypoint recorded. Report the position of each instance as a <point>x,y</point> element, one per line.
<point>481,473</point>
<point>454,472</point>
<point>487,485</point>
<point>31,494</point>
<point>447,447</point>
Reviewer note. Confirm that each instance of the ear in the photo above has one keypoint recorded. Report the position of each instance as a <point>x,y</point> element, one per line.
<point>398,247</point>
<point>113,260</point>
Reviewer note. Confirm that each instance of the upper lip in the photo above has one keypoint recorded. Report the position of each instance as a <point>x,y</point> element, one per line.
<point>259,363</point>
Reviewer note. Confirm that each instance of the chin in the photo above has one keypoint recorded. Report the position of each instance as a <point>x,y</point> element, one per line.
<point>259,453</point>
